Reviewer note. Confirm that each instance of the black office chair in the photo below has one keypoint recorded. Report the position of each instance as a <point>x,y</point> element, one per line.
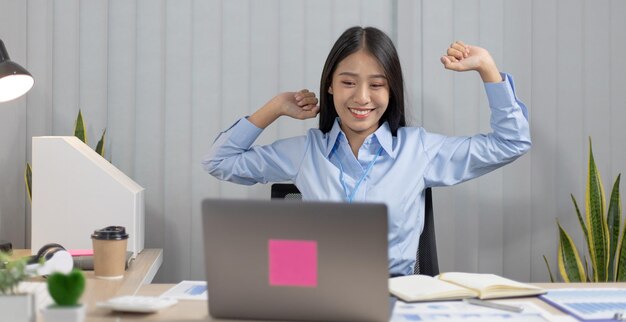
<point>426,257</point>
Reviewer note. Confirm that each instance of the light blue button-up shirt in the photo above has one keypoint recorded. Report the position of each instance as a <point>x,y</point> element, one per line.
<point>408,163</point>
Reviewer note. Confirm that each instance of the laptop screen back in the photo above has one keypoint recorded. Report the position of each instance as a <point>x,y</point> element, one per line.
<point>294,260</point>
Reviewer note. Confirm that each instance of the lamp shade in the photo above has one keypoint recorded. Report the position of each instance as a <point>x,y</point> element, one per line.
<point>15,80</point>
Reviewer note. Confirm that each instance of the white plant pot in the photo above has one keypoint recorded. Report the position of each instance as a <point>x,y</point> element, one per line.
<point>18,308</point>
<point>55,313</point>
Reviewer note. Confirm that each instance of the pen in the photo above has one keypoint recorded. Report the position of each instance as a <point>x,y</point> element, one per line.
<point>493,305</point>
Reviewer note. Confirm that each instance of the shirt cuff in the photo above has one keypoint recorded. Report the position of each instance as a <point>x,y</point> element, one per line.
<point>246,133</point>
<point>502,94</point>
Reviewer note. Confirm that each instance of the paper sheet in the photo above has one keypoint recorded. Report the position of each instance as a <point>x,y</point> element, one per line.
<point>188,290</point>
<point>461,311</point>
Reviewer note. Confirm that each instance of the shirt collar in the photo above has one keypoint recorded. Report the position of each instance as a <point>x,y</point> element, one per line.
<point>382,135</point>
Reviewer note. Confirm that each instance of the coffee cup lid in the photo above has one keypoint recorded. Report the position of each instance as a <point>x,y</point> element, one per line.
<point>110,233</point>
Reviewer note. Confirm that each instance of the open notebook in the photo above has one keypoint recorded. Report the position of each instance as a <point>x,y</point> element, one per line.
<point>453,286</point>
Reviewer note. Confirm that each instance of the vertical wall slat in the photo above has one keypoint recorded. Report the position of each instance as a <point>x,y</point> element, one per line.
<point>543,119</point>
<point>65,68</point>
<point>438,30</point>
<point>177,156</point>
<point>122,85</point>
<point>291,53</point>
<point>39,105</point>
<point>466,112</point>
<point>596,104</point>
<point>235,73</point>
<point>617,31</point>
<point>573,146</point>
<point>206,111</point>
<point>516,192</point>
<point>93,65</point>
<point>150,118</point>
<point>490,194</point>
<point>319,40</point>
<point>13,24</point>
<point>409,48</point>
<point>264,46</point>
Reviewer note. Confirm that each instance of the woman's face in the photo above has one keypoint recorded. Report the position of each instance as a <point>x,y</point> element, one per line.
<point>360,93</point>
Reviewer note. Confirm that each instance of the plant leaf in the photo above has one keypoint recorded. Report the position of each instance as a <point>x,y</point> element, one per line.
<point>613,222</point>
<point>79,128</point>
<point>28,179</point>
<point>570,266</point>
<point>549,270</point>
<point>583,226</point>
<point>598,230</point>
<point>621,259</point>
<point>100,145</point>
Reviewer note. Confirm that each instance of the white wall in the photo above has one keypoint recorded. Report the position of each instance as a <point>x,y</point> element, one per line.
<point>164,77</point>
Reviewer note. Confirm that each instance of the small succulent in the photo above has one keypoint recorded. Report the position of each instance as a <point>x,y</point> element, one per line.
<point>66,289</point>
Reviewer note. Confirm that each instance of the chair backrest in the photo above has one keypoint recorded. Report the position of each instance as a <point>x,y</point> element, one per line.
<point>426,258</point>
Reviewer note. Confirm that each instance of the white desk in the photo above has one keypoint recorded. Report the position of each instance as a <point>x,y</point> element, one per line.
<point>140,273</point>
<point>198,310</point>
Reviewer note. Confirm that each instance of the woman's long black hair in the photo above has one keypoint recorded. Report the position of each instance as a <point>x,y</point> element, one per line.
<point>381,47</point>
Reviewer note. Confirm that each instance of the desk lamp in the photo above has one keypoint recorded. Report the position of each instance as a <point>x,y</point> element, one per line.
<point>15,81</point>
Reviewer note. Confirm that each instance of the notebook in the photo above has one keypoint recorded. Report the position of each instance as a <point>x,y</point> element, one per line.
<point>297,261</point>
<point>456,285</point>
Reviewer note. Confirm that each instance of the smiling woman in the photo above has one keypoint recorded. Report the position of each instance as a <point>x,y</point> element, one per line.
<point>362,151</point>
<point>360,94</point>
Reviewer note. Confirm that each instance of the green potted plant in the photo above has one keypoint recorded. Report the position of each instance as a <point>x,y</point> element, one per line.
<point>65,290</point>
<point>601,228</point>
<point>14,305</point>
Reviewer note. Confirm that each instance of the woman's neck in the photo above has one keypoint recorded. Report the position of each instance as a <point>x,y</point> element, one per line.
<point>355,140</point>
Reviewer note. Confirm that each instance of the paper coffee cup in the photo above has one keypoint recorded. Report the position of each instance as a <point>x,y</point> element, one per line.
<point>109,252</point>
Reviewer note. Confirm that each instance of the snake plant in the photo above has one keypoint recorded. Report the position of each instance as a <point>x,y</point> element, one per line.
<point>81,133</point>
<point>601,228</point>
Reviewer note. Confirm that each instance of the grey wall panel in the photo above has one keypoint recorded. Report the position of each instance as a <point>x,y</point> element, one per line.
<point>438,112</point>
<point>39,62</point>
<point>466,113</point>
<point>65,66</point>
<point>177,157</point>
<point>516,192</point>
<point>409,45</point>
<point>617,136</point>
<point>164,77</point>
<point>13,23</point>
<point>122,83</point>
<point>543,117</point>
<point>291,55</point>
<point>93,43</point>
<point>150,117</point>
<point>264,62</point>
<point>572,150</point>
<point>235,73</point>
<point>320,38</point>
<point>490,193</point>
<point>206,113</point>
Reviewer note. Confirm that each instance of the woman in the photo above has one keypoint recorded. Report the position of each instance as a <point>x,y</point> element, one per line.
<point>363,151</point>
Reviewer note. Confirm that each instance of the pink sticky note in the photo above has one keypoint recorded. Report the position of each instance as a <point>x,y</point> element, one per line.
<point>81,252</point>
<point>292,262</point>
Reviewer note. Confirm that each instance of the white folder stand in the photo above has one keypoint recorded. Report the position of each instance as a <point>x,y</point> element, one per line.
<point>76,191</point>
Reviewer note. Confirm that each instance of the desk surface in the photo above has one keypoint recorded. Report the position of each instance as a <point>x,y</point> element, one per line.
<point>198,310</point>
<point>140,272</point>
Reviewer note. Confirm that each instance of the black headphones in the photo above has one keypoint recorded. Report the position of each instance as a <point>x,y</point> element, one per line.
<point>49,259</point>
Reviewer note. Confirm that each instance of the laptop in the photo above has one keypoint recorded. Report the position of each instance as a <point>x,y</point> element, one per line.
<point>297,261</point>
